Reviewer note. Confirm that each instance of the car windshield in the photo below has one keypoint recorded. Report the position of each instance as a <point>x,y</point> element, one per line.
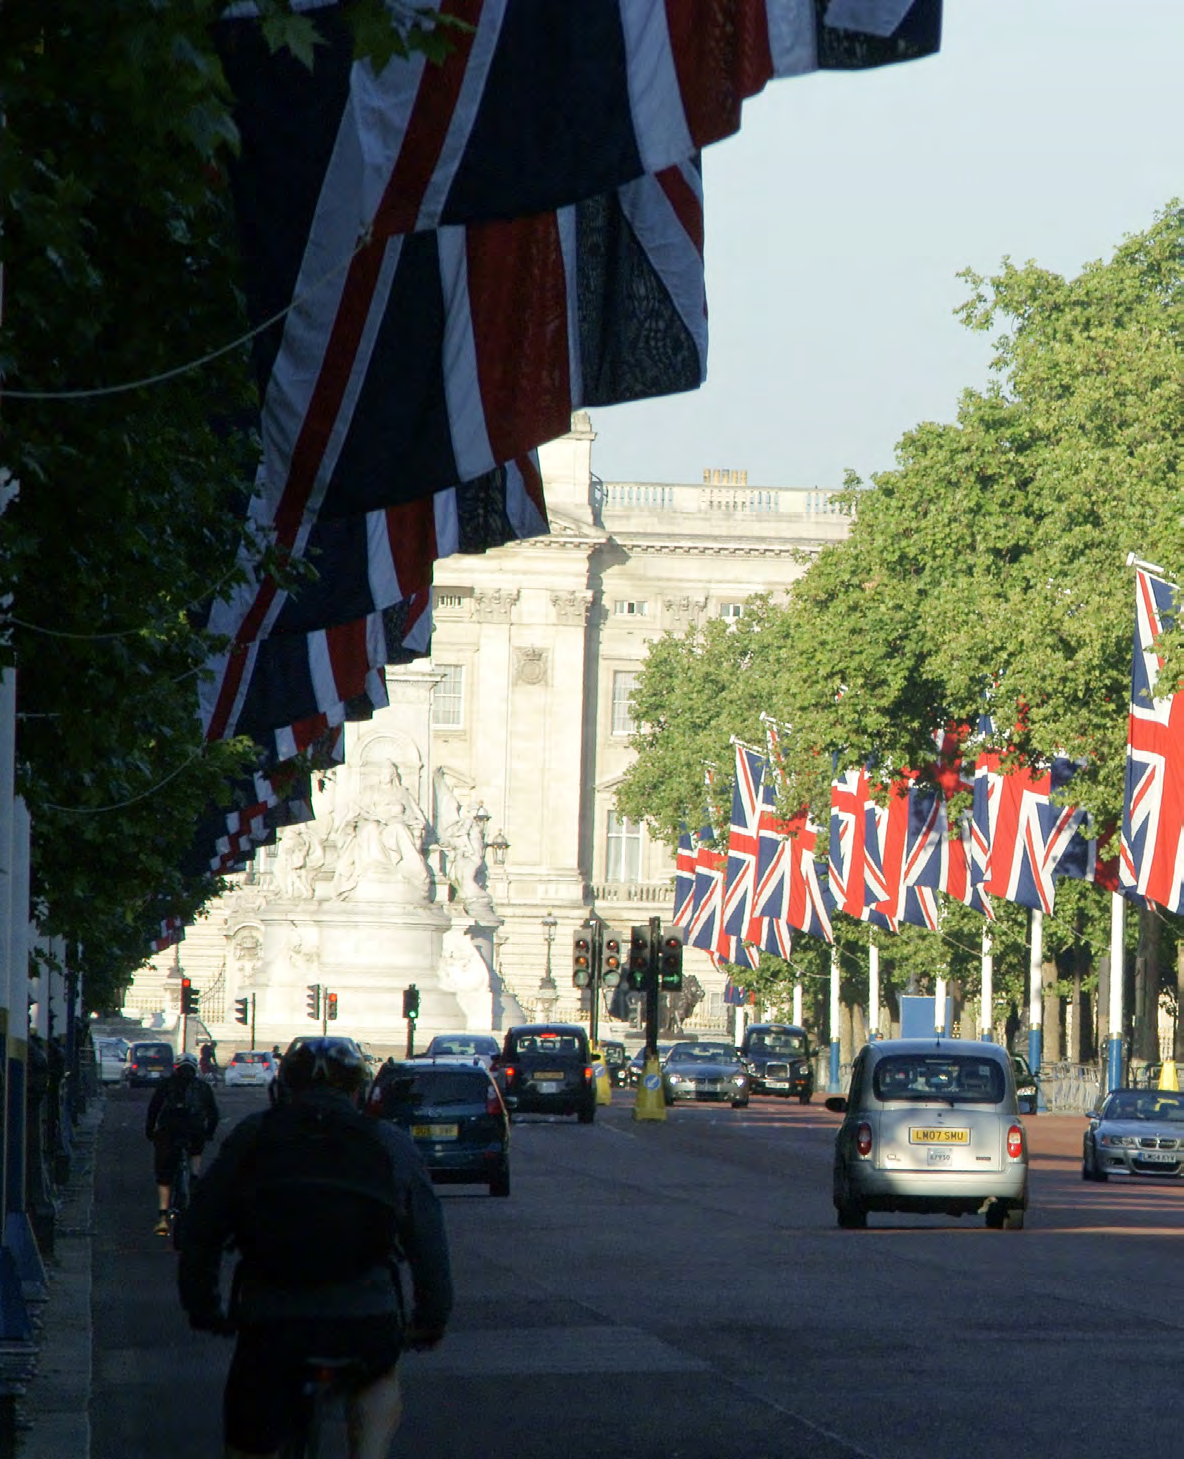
<point>435,1087</point>
<point>781,1044</point>
<point>1149,1106</point>
<point>701,1054</point>
<point>958,1078</point>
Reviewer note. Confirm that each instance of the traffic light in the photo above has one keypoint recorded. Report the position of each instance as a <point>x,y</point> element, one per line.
<point>581,957</point>
<point>190,997</point>
<point>610,962</point>
<point>411,1001</point>
<point>640,953</point>
<point>670,960</point>
<point>241,1006</point>
<point>330,1006</point>
<point>313,1001</point>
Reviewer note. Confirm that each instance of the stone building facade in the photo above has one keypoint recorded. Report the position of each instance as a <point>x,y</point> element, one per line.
<point>535,649</point>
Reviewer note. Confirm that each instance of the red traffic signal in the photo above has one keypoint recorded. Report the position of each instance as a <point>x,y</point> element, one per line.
<point>610,963</point>
<point>190,997</point>
<point>330,1006</point>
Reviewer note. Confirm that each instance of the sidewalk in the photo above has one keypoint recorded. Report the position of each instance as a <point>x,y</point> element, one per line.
<point>54,1414</point>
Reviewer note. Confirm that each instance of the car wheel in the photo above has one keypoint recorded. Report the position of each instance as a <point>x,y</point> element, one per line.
<point>500,1183</point>
<point>804,1098</point>
<point>852,1216</point>
<point>1090,1169</point>
<point>739,1104</point>
<point>1002,1217</point>
<point>586,1116</point>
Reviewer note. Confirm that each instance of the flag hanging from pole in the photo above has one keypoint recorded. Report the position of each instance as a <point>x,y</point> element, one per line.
<point>1152,847</point>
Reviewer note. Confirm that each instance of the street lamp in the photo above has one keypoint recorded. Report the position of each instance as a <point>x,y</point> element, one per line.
<point>499,846</point>
<point>548,992</point>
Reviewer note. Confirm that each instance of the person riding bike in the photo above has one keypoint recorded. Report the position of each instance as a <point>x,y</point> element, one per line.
<point>321,1202</point>
<point>182,1115</point>
<point>208,1060</point>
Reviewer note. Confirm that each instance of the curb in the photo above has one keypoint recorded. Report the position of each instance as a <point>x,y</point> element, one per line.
<point>55,1411</point>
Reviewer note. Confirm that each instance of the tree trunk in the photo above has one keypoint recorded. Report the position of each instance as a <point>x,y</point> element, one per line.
<point>1146,1000</point>
<point>1051,1002</point>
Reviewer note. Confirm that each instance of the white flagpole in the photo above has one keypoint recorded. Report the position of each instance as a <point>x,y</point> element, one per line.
<point>1036,993</point>
<point>873,992</point>
<point>987,1007</point>
<point>1114,1049</point>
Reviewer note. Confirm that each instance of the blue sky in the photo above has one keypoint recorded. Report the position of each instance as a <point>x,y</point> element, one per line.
<point>838,219</point>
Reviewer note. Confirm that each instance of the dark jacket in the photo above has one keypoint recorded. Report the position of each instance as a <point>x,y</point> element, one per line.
<point>207,1106</point>
<point>209,1228</point>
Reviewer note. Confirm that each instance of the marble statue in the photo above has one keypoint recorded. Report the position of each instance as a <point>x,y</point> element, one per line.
<point>460,834</point>
<point>383,832</point>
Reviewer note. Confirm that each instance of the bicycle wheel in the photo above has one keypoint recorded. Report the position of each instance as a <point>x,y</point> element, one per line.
<point>180,1197</point>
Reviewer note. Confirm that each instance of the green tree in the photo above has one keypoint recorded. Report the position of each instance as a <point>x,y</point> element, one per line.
<point>987,569</point>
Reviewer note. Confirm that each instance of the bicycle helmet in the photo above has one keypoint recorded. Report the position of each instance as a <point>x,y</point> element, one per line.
<point>326,1063</point>
<point>186,1067</point>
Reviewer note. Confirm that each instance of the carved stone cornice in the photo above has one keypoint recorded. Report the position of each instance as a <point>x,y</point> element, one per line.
<point>495,606</point>
<point>571,608</point>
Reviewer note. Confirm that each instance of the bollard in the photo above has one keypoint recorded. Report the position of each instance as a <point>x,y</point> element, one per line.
<point>651,1099</point>
<point>1168,1078</point>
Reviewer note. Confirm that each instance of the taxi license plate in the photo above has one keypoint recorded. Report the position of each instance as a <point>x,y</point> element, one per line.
<point>434,1132</point>
<point>1159,1157</point>
<point>919,1136</point>
<point>549,1086</point>
<point>777,1083</point>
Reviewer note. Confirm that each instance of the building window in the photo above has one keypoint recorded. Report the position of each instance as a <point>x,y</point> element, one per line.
<point>731,610</point>
<point>622,850</point>
<point>629,608</point>
<point>624,683</point>
<point>448,700</point>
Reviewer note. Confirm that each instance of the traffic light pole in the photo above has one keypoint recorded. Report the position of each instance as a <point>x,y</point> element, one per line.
<point>597,973</point>
<point>651,989</point>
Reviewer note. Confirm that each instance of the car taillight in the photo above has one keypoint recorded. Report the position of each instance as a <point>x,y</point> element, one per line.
<point>493,1102</point>
<point>1015,1142</point>
<point>587,1073</point>
<point>863,1138</point>
<point>509,1071</point>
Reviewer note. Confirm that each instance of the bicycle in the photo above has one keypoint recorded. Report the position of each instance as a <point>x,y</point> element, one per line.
<point>326,1382</point>
<point>180,1188</point>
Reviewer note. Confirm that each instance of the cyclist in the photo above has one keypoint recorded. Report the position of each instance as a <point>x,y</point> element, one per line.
<point>321,1202</point>
<point>208,1062</point>
<point>182,1114</point>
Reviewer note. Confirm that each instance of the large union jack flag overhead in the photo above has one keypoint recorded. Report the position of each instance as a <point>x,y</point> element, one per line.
<point>743,841</point>
<point>1152,850</point>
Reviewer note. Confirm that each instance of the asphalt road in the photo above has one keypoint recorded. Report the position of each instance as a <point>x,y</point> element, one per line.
<point>679,1290</point>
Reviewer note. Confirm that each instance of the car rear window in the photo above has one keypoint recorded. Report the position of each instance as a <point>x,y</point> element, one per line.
<point>552,1045</point>
<point>251,1059</point>
<point>435,1087</point>
<point>959,1078</point>
<point>152,1053</point>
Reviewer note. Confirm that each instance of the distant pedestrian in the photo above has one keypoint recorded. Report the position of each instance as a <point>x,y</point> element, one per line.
<point>182,1115</point>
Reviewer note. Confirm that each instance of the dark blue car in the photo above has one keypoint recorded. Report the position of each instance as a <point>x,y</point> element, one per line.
<point>454,1112</point>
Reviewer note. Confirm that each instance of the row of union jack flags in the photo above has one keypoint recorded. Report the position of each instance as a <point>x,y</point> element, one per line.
<point>889,860</point>
<point>442,262</point>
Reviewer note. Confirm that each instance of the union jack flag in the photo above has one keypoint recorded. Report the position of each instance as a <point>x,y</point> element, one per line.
<point>743,842</point>
<point>684,880</point>
<point>913,849</point>
<point>706,924</point>
<point>1024,832</point>
<point>1152,847</point>
<point>857,824</point>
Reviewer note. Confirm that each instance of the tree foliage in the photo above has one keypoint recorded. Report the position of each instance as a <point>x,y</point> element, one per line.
<point>985,571</point>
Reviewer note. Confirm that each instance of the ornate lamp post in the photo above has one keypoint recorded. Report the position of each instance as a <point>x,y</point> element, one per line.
<point>548,992</point>
<point>499,846</point>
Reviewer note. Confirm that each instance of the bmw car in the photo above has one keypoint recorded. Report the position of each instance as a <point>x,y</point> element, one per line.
<point>705,1071</point>
<point>1134,1132</point>
<point>931,1126</point>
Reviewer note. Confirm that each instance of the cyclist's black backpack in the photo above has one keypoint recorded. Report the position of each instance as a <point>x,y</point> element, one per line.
<point>182,1113</point>
<point>317,1201</point>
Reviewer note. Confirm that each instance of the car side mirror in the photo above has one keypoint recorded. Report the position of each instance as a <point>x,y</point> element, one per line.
<point>837,1104</point>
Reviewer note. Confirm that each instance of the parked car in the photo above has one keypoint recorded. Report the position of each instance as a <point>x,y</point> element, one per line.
<point>705,1071</point>
<point>481,1046</point>
<point>455,1114</point>
<point>616,1060</point>
<point>147,1063</point>
<point>1134,1132</point>
<point>1027,1085</point>
<point>930,1125</point>
<point>111,1059</point>
<point>546,1068</point>
<point>251,1067</point>
<point>778,1059</point>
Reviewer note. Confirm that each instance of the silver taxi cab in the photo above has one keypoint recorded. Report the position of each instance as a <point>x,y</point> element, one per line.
<point>931,1125</point>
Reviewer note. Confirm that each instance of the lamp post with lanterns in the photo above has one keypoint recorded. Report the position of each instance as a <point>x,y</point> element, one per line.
<point>548,992</point>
